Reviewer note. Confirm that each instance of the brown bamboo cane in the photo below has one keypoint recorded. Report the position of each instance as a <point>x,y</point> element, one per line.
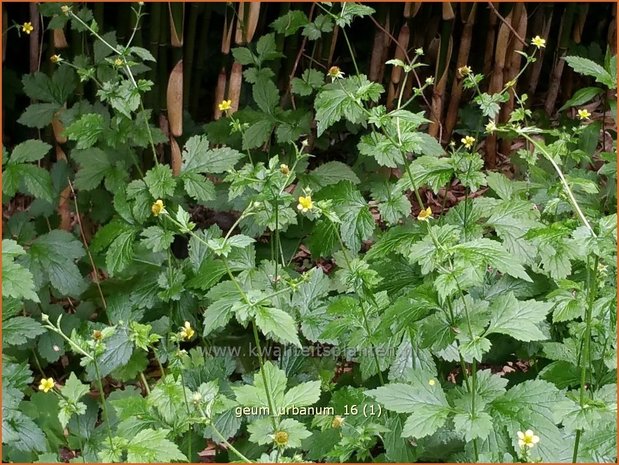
<point>519,23</point>
<point>239,34</point>
<point>64,211</point>
<point>467,12</point>
<point>442,67</point>
<point>536,68</point>
<point>252,20</point>
<point>567,21</point>
<point>177,23</point>
<point>579,24</point>
<point>497,82</point>
<point>175,99</point>
<point>490,44</point>
<point>396,71</point>
<point>35,37</point>
<point>59,39</point>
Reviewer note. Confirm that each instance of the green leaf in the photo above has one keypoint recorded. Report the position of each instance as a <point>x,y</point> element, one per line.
<point>582,96</point>
<point>199,158</point>
<point>243,55</point>
<point>379,147</point>
<point>472,427</point>
<point>223,296</point>
<point>278,323</point>
<point>590,68</point>
<point>17,330</point>
<point>310,80</point>
<point>350,11</point>
<point>328,174</point>
<point>489,252</point>
<point>302,395</point>
<point>17,281</point>
<point>160,181</point>
<point>518,319</point>
<point>29,151</point>
<point>120,252</point>
<point>393,204</point>
<point>53,256</point>
<point>150,446</point>
<point>314,30</point>
<point>423,398</point>
<point>290,23</point>
<point>95,164</point>
<point>198,186</point>
<point>255,395</point>
<point>357,221</point>
<point>430,171</point>
<point>86,130</point>
<point>257,134</point>
<point>266,95</point>
<point>342,99</point>
<point>38,115</point>
<point>157,239</point>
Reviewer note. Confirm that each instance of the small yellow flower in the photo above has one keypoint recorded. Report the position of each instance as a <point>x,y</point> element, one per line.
<point>583,114</point>
<point>539,42</point>
<point>335,73</point>
<point>27,28</point>
<point>187,331</point>
<point>97,335</point>
<point>491,126</point>
<point>280,438</point>
<point>468,141</point>
<point>464,71</point>
<point>55,59</point>
<point>284,169</point>
<point>527,439</point>
<point>225,105</point>
<point>425,214</point>
<point>430,81</point>
<point>432,382</point>
<point>119,61</point>
<point>337,422</point>
<point>158,207</point>
<point>65,9</point>
<point>47,384</point>
<point>196,398</point>
<point>305,203</point>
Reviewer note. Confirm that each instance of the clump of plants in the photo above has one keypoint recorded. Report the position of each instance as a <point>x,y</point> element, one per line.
<point>157,339</point>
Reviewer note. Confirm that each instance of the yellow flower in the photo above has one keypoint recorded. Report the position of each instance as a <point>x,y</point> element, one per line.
<point>27,28</point>
<point>65,9</point>
<point>539,42</point>
<point>97,335</point>
<point>225,105</point>
<point>158,208</point>
<point>468,141</point>
<point>464,71</point>
<point>527,439</point>
<point>284,169</point>
<point>305,203</point>
<point>335,73</point>
<point>187,331</point>
<point>47,384</point>
<point>424,215</point>
<point>280,438</point>
<point>337,422</point>
<point>432,382</point>
<point>119,61</point>
<point>583,114</point>
<point>55,58</point>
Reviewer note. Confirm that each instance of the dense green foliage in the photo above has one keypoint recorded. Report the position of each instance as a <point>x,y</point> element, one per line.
<point>418,331</point>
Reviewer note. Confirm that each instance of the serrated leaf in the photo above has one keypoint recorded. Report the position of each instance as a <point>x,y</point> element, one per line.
<point>198,186</point>
<point>120,252</point>
<point>29,151</point>
<point>199,158</point>
<point>150,446</point>
<point>302,395</point>
<point>590,68</point>
<point>266,95</point>
<point>157,239</point>
<point>518,319</point>
<point>19,329</point>
<point>160,181</point>
<point>276,322</point>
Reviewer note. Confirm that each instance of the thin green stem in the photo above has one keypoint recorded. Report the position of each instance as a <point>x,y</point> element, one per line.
<point>586,351</point>
<point>145,383</point>
<point>189,446</point>
<point>566,186</point>
<point>103,403</point>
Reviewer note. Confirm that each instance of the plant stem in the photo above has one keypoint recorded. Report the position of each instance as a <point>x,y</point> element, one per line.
<point>586,351</point>
<point>103,403</point>
<point>145,383</point>
<point>189,455</point>
<point>566,186</point>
